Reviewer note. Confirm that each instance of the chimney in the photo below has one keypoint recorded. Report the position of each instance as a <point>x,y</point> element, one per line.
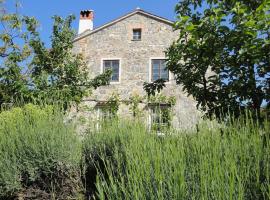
<point>86,20</point>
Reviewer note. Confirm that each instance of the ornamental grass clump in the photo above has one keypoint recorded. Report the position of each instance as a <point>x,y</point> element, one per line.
<point>40,155</point>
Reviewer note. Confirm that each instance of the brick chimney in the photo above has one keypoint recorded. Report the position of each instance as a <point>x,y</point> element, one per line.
<point>86,21</point>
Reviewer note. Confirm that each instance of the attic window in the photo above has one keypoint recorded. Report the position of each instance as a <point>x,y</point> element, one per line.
<point>137,34</point>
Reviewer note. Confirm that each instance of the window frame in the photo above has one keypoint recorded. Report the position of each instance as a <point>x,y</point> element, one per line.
<point>120,68</point>
<point>150,79</point>
<point>103,115</point>
<point>154,111</point>
<point>137,29</point>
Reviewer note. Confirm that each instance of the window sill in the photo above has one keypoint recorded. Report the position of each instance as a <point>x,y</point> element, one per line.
<point>166,83</point>
<point>136,40</point>
<point>115,83</point>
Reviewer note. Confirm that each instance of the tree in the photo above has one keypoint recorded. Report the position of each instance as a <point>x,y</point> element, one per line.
<point>57,71</point>
<point>32,71</point>
<point>222,54</point>
<point>14,51</point>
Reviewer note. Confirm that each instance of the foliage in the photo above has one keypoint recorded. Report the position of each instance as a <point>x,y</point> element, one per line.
<point>58,71</point>
<point>109,109</point>
<point>162,119</point>
<point>113,104</point>
<point>162,99</point>
<point>222,54</point>
<point>32,71</point>
<point>134,101</point>
<point>15,35</point>
<point>101,80</point>
<point>132,164</point>
<point>155,86</point>
<point>38,153</point>
<point>42,158</point>
<point>162,106</point>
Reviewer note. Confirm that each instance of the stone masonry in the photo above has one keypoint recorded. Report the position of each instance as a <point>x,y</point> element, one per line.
<point>114,41</point>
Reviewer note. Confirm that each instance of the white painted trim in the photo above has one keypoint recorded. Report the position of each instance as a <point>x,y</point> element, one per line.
<point>84,25</point>
<point>150,70</point>
<point>120,68</point>
<point>149,123</point>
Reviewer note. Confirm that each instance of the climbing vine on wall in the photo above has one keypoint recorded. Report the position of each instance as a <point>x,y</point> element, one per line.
<point>113,104</point>
<point>161,99</point>
<point>162,106</point>
<point>134,101</point>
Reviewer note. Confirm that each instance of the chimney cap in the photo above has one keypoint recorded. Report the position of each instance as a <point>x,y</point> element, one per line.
<point>87,14</point>
<point>89,10</point>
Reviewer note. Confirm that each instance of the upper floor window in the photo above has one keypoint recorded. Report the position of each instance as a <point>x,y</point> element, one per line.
<point>114,66</point>
<point>159,70</point>
<point>137,34</point>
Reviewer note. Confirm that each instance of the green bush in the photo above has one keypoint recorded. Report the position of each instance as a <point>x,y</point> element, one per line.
<point>37,151</point>
<point>232,162</point>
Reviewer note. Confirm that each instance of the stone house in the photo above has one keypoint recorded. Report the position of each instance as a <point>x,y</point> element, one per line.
<point>133,47</point>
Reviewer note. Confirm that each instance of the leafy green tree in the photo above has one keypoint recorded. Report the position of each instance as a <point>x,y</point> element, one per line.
<point>222,55</point>
<point>15,34</point>
<point>57,71</point>
<point>30,70</point>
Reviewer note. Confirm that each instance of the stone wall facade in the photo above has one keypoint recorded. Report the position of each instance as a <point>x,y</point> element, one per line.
<point>115,42</point>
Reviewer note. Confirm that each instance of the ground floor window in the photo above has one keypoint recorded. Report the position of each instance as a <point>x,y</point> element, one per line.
<point>159,117</point>
<point>104,114</point>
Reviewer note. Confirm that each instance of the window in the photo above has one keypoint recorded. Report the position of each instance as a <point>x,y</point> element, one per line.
<point>160,117</point>
<point>114,66</point>
<point>104,115</point>
<point>159,70</point>
<point>137,34</point>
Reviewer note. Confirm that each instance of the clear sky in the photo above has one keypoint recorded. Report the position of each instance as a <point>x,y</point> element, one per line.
<point>104,10</point>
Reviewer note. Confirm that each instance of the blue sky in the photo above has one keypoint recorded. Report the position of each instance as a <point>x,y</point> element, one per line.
<point>105,10</point>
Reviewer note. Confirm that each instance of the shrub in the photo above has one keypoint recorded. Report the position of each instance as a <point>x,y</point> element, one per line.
<point>38,152</point>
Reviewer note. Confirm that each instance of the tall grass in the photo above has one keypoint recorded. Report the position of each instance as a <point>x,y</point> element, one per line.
<point>37,151</point>
<point>233,163</point>
<point>42,157</point>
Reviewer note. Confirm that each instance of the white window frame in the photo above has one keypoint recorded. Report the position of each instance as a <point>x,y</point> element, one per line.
<point>151,111</point>
<point>99,116</point>
<point>150,70</point>
<point>120,68</point>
